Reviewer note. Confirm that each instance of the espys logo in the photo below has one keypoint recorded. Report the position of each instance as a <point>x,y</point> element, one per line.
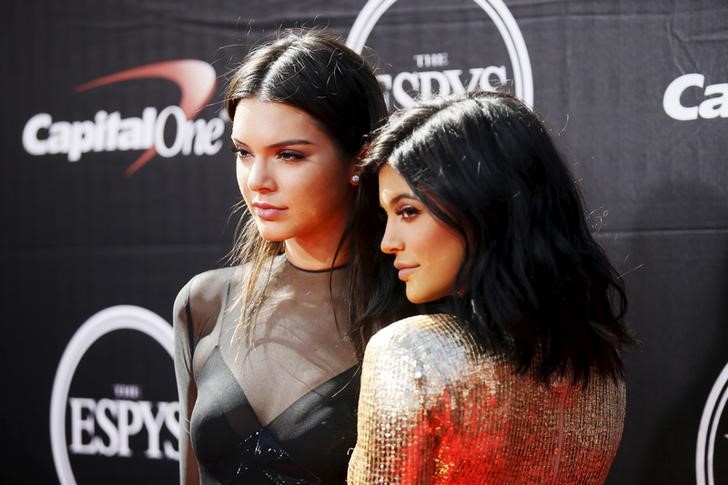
<point>714,102</point>
<point>711,454</point>
<point>110,132</point>
<point>446,68</point>
<point>123,425</point>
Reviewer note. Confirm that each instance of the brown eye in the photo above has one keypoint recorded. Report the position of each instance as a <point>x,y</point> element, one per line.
<point>408,212</point>
<point>239,152</point>
<point>291,155</point>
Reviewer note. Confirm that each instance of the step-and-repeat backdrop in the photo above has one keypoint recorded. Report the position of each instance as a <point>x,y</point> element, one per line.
<point>117,186</point>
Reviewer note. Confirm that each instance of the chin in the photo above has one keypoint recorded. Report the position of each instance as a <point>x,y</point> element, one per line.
<point>272,236</point>
<point>418,297</point>
<point>415,297</point>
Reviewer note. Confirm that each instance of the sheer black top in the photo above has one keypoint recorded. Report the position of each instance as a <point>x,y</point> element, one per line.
<point>277,408</point>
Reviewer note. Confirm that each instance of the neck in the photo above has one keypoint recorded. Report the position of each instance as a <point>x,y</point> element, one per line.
<point>315,255</point>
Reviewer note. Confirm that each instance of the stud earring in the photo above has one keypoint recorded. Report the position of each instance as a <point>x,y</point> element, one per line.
<point>355,180</point>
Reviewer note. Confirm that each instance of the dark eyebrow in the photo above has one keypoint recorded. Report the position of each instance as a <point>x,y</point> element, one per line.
<point>291,142</point>
<point>281,143</point>
<point>401,196</point>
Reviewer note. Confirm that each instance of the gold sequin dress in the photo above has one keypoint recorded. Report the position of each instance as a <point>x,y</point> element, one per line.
<point>436,409</point>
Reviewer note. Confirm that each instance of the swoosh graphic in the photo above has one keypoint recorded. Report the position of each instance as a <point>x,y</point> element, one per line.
<point>196,81</point>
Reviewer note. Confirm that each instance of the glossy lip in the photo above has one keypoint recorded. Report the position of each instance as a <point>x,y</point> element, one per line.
<point>266,211</point>
<point>405,270</point>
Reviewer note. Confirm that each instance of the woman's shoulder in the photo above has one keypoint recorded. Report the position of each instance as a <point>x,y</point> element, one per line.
<point>420,355</point>
<point>202,298</point>
<point>417,335</point>
<point>210,285</point>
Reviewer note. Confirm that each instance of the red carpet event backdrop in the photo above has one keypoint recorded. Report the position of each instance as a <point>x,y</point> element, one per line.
<point>118,183</point>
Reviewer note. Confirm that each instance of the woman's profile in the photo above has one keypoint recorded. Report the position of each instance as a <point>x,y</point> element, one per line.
<point>515,375</point>
<point>268,351</point>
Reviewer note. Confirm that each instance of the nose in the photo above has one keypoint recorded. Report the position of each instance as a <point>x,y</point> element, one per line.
<point>259,178</point>
<point>391,242</point>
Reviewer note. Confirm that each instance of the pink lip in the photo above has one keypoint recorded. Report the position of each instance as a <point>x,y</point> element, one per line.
<point>405,270</point>
<point>267,211</point>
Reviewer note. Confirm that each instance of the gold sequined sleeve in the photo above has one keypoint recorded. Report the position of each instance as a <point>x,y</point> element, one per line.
<point>392,438</point>
<point>435,408</point>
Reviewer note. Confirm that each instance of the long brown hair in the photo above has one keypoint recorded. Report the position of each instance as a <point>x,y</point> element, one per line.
<point>316,73</point>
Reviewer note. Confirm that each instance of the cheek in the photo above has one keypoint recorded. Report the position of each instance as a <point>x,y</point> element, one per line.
<point>443,262</point>
<point>451,269</point>
<point>241,173</point>
<point>321,192</point>
<point>449,266</point>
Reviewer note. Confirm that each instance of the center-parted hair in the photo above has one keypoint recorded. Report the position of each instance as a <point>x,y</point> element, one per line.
<point>534,283</point>
<point>318,74</point>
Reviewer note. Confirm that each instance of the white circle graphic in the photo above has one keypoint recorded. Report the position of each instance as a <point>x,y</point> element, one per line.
<point>498,13</point>
<point>121,317</point>
<point>714,406</point>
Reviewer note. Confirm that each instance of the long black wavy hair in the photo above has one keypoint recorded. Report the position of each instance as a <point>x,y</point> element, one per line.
<point>534,283</point>
<point>318,74</point>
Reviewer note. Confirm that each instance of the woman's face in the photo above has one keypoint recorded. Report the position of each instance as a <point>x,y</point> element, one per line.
<point>428,253</point>
<point>290,173</point>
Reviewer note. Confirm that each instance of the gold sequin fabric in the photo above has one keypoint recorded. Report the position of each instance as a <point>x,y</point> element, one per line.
<point>435,408</point>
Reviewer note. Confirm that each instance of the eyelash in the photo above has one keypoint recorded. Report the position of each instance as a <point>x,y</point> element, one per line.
<point>239,152</point>
<point>407,212</point>
<point>290,155</point>
<point>285,155</point>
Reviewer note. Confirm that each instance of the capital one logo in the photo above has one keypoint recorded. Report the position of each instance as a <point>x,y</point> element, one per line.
<point>711,454</point>
<point>433,73</point>
<point>111,132</point>
<point>713,98</point>
<point>110,427</point>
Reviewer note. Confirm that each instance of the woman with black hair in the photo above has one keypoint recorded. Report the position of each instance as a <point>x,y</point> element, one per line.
<point>268,351</point>
<point>515,376</point>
